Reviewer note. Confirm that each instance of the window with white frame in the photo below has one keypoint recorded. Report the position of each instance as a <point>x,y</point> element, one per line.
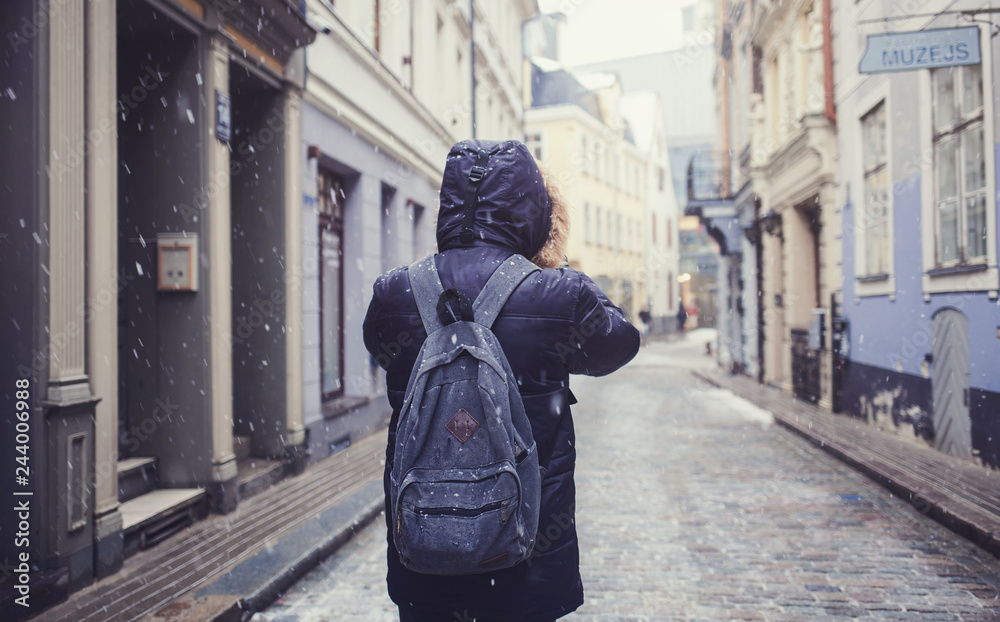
<point>873,222</point>
<point>586,222</point>
<point>536,145</point>
<point>959,166</point>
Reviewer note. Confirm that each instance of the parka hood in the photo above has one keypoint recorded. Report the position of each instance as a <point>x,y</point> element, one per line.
<point>512,207</point>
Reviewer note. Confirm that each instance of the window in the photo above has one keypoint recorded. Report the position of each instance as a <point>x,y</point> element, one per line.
<point>535,145</point>
<point>418,231</point>
<point>378,27</point>
<point>390,233</point>
<point>586,222</point>
<point>670,290</point>
<point>585,156</point>
<point>687,18</point>
<point>598,229</point>
<point>873,223</point>
<point>959,166</point>
<point>332,198</point>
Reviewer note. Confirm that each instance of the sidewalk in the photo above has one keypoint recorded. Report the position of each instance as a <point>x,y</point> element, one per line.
<point>227,567</point>
<point>958,493</point>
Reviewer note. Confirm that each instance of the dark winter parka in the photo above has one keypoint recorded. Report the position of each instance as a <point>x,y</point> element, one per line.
<point>556,323</point>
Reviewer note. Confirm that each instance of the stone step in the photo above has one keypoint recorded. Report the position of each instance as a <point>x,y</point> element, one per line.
<point>157,515</point>
<point>136,477</point>
<point>211,548</point>
<point>241,447</point>
<point>254,475</point>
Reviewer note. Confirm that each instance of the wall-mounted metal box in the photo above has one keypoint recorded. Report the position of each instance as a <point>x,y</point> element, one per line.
<point>177,262</point>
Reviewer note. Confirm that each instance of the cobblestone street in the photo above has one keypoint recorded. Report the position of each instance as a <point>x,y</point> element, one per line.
<point>693,505</point>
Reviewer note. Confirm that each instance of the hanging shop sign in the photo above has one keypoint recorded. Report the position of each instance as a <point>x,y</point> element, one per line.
<point>924,49</point>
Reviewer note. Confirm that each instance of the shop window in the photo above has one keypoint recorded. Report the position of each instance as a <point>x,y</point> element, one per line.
<point>873,222</point>
<point>332,198</point>
<point>959,166</point>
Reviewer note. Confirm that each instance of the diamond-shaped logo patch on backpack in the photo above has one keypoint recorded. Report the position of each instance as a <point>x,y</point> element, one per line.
<point>465,483</point>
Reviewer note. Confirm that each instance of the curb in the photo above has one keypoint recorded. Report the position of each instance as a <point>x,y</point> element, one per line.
<point>287,575</point>
<point>928,500</point>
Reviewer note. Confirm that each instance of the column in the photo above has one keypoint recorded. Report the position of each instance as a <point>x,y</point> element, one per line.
<point>68,454</point>
<point>67,374</point>
<point>223,488</point>
<point>102,281</point>
<point>294,410</point>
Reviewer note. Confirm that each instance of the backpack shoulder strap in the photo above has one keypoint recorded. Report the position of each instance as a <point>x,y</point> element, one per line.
<point>425,285</point>
<point>499,287</point>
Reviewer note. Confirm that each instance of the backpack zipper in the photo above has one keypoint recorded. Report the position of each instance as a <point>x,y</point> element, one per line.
<point>450,511</point>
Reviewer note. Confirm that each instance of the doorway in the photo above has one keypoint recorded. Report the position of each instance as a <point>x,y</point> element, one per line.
<point>950,383</point>
<point>257,220</point>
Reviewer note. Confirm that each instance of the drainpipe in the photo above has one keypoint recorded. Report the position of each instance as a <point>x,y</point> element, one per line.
<point>831,109</point>
<point>472,59</point>
<point>412,75</point>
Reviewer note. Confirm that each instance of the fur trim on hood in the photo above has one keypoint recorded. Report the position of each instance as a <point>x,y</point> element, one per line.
<point>553,253</point>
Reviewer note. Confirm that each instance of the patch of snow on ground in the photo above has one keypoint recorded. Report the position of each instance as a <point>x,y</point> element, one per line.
<point>720,401</point>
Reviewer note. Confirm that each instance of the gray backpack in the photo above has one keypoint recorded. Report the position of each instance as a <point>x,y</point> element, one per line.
<point>465,486</point>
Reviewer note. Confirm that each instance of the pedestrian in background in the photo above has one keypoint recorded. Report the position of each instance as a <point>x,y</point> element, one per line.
<point>682,316</point>
<point>646,319</point>
<point>556,323</point>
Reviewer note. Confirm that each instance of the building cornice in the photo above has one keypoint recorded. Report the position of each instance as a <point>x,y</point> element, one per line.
<point>335,105</point>
<point>572,112</point>
<point>782,171</point>
<point>345,36</point>
<point>768,18</point>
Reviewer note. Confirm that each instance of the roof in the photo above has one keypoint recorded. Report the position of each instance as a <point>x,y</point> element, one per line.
<point>597,80</point>
<point>552,84</point>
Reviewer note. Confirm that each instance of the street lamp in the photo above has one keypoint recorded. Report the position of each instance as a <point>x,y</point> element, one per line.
<point>772,223</point>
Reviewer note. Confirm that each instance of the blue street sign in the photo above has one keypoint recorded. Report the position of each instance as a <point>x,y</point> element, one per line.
<point>924,49</point>
<point>223,116</point>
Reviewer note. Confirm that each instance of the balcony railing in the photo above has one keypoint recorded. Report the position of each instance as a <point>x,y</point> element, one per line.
<point>708,177</point>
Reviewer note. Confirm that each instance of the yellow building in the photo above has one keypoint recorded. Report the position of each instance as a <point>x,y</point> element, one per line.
<point>579,135</point>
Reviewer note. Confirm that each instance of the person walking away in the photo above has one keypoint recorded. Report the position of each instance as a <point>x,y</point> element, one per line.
<point>682,317</point>
<point>495,203</point>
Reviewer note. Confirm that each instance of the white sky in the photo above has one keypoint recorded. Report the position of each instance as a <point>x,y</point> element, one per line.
<point>599,30</point>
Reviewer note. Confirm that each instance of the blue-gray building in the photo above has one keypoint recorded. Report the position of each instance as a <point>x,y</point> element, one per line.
<point>918,185</point>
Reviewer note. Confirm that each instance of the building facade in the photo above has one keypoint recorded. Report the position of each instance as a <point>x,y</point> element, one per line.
<point>642,114</point>
<point>918,171</point>
<point>151,200</point>
<point>195,208</point>
<point>793,157</point>
<point>390,87</point>
<point>577,132</point>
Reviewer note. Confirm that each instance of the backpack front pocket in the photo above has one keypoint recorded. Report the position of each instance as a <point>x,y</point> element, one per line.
<point>460,521</point>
